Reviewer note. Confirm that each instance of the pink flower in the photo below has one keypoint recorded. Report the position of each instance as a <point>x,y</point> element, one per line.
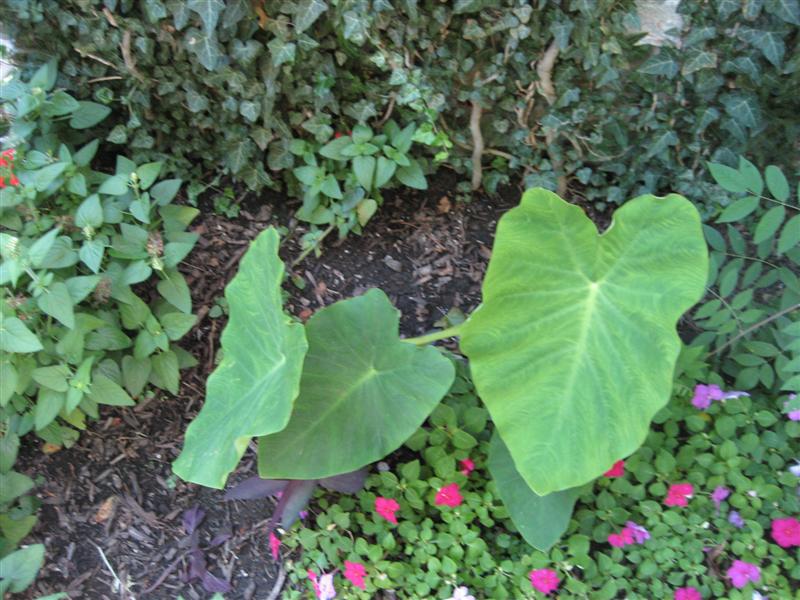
<point>704,394</point>
<point>786,532</point>
<point>355,573</point>
<point>467,466</point>
<point>616,540</point>
<point>741,572</point>
<point>544,580</point>
<point>323,585</point>
<point>386,507</point>
<point>687,593</point>
<point>274,545</point>
<point>679,494</point>
<point>719,494</point>
<point>618,470</point>
<point>640,534</point>
<point>449,495</point>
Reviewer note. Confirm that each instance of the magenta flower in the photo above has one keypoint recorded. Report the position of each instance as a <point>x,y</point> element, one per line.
<point>630,534</point>
<point>467,466</point>
<point>704,394</point>
<point>274,545</point>
<point>687,593</point>
<point>679,494</point>
<point>719,494</point>
<point>449,495</point>
<point>616,540</point>
<point>741,572</point>
<point>735,519</point>
<point>355,573</point>
<point>640,534</point>
<point>617,470</point>
<point>793,408</point>
<point>387,507</point>
<point>786,532</point>
<point>544,580</point>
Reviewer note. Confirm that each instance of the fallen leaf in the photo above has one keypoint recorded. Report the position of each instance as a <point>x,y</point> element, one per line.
<point>105,510</point>
<point>444,205</point>
<point>49,448</point>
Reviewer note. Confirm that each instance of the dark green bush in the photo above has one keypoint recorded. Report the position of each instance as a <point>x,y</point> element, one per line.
<point>228,86</point>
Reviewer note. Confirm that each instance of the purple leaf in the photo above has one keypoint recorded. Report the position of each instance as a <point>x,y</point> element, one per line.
<point>215,584</point>
<point>192,518</point>
<point>254,488</point>
<point>219,539</point>
<point>346,483</point>
<point>197,565</point>
<point>294,499</point>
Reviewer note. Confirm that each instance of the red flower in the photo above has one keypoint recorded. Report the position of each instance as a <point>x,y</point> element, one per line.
<point>679,494</point>
<point>786,532</point>
<point>337,135</point>
<point>618,470</point>
<point>449,495</point>
<point>274,545</point>
<point>2,182</point>
<point>13,180</point>
<point>9,154</point>
<point>467,466</point>
<point>355,573</point>
<point>386,507</point>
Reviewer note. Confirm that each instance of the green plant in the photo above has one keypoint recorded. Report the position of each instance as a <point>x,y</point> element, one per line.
<point>749,318</point>
<point>75,331</point>
<point>595,315</point>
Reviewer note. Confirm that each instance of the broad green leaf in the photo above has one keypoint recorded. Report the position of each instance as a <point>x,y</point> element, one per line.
<point>364,169</point>
<point>790,236</point>
<point>91,254</point>
<point>165,371</point>
<point>135,373</point>
<point>164,191</point>
<point>281,51</point>
<point>60,104</point>
<point>53,377</point>
<point>776,183</point>
<point>752,176</point>
<point>306,12</point>
<point>48,404</point>
<point>788,10</point>
<point>383,173</point>
<point>45,76</point>
<point>739,210</point>
<point>177,324</point>
<point>574,347</point>
<point>105,391</point>
<point>363,392</point>
<point>116,185</point>
<point>541,520</point>
<point>730,179</point>
<point>148,173</point>
<point>660,64</point>
<point>13,485</point>
<point>251,392</point>
<point>15,337</point>
<point>208,10</point>
<point>412,176</point>
<point>769,224</point>
<point>40,248</point>
<point>19,569</point>
<point>8,382</point>
<point>57,302</point>
<point>88,115</point>
<point>47,175</point>
<point>175,291</point>
<point>333,149</point>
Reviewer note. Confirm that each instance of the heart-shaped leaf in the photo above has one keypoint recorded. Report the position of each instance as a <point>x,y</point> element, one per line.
<point>362,394</point>
<point>251,391</point>
<point>574,347</point>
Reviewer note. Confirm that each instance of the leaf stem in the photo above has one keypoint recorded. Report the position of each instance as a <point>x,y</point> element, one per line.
<point>435,336</point>
<point>308,250</point>
<point>752,328</point>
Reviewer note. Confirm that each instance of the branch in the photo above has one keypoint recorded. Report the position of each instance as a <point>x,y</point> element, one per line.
<point>544,69</point>
<point>752,328</point>
<point>477,144</point>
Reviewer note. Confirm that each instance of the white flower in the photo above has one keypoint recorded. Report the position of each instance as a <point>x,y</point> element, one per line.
<point>461,593</point>
<point>795,469</point>
<point>326,589</point>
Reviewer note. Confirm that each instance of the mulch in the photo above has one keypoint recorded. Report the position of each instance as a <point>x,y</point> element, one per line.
<point>112,510</point>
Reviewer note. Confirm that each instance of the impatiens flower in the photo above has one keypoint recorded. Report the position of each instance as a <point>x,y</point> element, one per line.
<point>274,545</point>
<point>449,495</point>
<point>679,494</point>
<point>704,394</point>
<point>616,540</point>
<point>640,534</point>
<point>719,494</point>
<point>2,183</point>
<point>687,593</point>
<point>355,573</point>
<point>544,580</point>
<point>323,585</point>
<point>467,467</point>
<point>461,593</point>
<point>618,470</point>
<point>735,519</point>
<point>792,407</point>
<point>795,469</point>
<point>386,507</point>
<point>741,572</point>
<point>786,532</point>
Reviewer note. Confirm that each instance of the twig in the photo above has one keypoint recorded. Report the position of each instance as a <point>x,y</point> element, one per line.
<point>308,250</point>
<point>276,589</point>
<point>117,582</point>
<point>109,78</point>
<point>130,62</point>
<point>97,58</point>
<point>477,144</point>
<point>163,577</point>
<point>544,69</point>
<point>388,112</point>
<point>752,328</point>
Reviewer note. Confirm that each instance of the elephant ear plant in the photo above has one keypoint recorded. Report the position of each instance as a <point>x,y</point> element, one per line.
<point>572,350</point>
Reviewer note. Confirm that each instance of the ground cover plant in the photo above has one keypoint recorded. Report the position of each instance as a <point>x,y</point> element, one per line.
<point>75,245</point>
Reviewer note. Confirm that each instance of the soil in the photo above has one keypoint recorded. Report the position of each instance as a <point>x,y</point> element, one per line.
<point>112,511</point>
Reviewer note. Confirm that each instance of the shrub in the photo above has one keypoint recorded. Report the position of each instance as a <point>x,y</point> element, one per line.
<point>76,245</point>
<point>553,95</point>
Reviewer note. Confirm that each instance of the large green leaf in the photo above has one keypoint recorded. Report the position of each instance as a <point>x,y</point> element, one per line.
<point>574,346</point>
<point>251,391</point>
<point>362,394</point>
<point>540,519</point>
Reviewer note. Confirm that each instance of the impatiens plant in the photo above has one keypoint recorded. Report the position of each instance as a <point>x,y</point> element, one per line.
<point>573,352</point>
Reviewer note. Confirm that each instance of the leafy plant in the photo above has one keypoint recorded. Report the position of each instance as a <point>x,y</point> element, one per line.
<point>345,390</point>
<point>74,333</point>
<point>749,318</point>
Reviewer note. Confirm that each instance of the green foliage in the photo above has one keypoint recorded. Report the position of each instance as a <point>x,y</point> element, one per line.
<point>574,346</point>
<point>363,391</point>
<point>73,332</point>
<point>434,549</point>
<point>228,85</point>
<point>749,319</point>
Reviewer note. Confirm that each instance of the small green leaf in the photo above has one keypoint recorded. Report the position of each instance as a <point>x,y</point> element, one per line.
<point>89,213</point>
<point>45,76</point>
<point>208,10</point>
<point>56,302</point>
<point>165,373</point>
<point>135,373</point>
<point>148,173</point>
<point>176,325</point>
<point>364,169</point>
<point>54,377</point>
<point>105,391</point>
<point>281,51</point>
<point>19,569</point>
<point>769,224</point>
<point>116,185</point>
<point>739,210</point>
<point>164,191</point>
<point>175,291</point>
<point>88,115</point>
<point>751,175</point>
<point>47,175</point>
<point>15,337</point>
<point>48,404</point>
<point>730,179</point>
<point>306,12</point>
<point>40,249</point>
<point>384,171</point>
<point>91,254</point>
<point>777,183</point>
<point>790,236</point>
<point>365,210</point>
<point>412,176</point>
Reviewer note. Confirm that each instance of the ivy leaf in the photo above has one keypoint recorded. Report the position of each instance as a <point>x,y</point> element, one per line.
<point>306,12</point>
<point>205,47</point>
<point>209,11</point>
<point>239,154</point>
<point>281,52</point>
<point>660,64</point>
<point>742,107</point>
<point>773,47</point>
<point>787,10</point>
<point>699,60</point>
